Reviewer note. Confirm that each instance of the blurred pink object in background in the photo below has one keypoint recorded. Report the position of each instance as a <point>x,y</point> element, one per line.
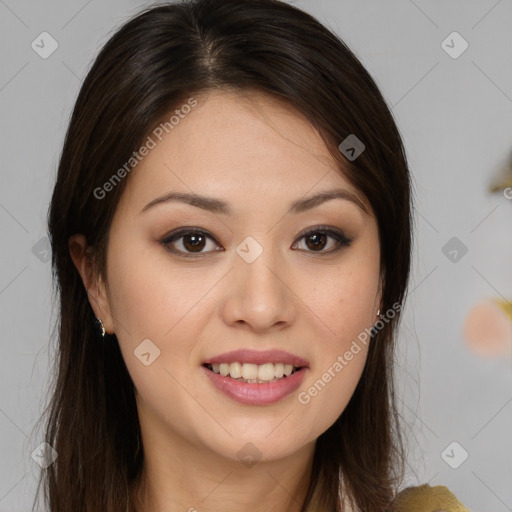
<point>487,329</point>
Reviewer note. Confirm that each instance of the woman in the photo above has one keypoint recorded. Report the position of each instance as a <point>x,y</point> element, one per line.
<point>231,235</point>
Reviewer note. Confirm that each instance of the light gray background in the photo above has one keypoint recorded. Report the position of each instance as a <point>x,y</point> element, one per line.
<point>456,119</point>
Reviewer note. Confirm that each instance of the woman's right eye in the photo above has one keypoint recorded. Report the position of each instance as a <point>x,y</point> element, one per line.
<point>190,242</point>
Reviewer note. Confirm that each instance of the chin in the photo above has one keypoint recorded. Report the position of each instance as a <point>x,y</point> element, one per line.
<point>249,446</point>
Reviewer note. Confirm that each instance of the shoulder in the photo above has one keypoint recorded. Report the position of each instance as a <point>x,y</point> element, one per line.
<point>425,498</point>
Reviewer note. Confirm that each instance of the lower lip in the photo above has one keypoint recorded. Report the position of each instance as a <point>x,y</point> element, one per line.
<point>253,393</point>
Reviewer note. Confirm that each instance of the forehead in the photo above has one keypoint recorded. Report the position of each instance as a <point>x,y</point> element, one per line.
<point>247,145</point>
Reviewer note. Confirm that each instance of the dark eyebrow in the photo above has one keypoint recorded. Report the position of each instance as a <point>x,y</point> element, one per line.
<point>217,206</point>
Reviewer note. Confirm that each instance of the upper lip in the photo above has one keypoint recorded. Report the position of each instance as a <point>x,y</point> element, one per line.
<point>258,357</point>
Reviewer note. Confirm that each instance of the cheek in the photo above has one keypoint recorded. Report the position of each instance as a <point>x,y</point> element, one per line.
<point>154,301</point>
<point>166,304</point>
<point>341,309</point>
<point>149,295</point>
<point>342,302</point>
<point>325,395</point>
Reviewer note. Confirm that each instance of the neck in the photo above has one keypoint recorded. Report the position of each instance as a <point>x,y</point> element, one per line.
<point>192,480</point>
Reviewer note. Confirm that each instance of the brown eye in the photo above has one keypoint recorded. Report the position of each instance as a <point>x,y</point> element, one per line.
<point>188,242</point>
<point>317,239</point>
<point>194,242</point>
<point>191,242</point>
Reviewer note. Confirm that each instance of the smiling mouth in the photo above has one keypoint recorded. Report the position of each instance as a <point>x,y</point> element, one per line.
<point>253,373</point>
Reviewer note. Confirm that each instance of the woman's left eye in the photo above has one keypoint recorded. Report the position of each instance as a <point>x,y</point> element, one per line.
<point>319,236</point>
<point>194,241</point>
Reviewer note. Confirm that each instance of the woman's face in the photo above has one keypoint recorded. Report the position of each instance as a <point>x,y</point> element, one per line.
<point>251,280</point>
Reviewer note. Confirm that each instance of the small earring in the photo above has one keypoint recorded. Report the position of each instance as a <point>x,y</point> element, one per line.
<point>378,312</point>
<point>101,327</point>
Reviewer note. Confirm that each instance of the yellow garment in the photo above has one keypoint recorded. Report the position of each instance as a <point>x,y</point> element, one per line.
<point>428,499</point>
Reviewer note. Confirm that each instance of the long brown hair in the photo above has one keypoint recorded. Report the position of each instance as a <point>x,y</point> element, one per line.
<point>150,66</point>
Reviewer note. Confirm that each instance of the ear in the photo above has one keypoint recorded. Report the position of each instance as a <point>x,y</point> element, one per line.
<point>94,285</point>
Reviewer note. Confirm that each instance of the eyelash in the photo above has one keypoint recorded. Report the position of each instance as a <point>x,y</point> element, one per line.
<point>337,235</point>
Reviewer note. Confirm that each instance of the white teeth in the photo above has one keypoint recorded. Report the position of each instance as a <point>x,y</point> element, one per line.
<point>253,372</point>
<point>266,371</point>
<point>250,371</point>
<point>235,370</point>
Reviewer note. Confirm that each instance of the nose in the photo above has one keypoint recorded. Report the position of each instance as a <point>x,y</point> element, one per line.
<point>259,295</point>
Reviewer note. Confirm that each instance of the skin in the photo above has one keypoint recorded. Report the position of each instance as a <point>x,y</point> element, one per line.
<point>259,156</point>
